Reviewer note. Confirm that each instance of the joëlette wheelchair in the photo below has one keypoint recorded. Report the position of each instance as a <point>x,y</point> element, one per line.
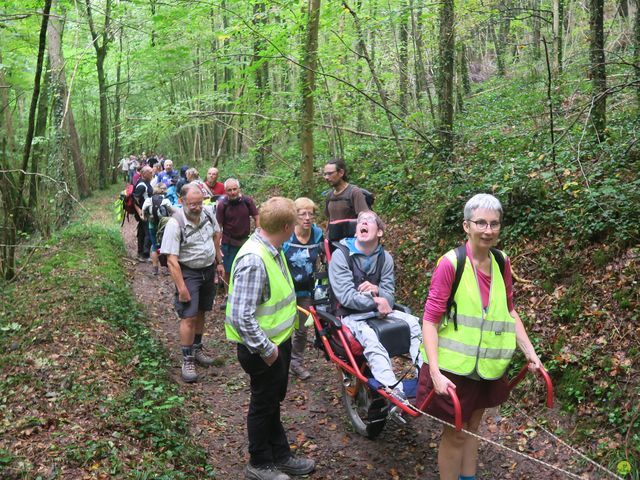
<point>368,403</point>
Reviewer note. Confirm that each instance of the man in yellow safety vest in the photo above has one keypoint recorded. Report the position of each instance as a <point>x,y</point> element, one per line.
<point>260,315</point>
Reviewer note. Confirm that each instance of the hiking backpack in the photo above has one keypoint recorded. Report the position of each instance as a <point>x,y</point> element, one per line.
<point>461,259</point>
<point>179,216</point>
<point>128,202</point>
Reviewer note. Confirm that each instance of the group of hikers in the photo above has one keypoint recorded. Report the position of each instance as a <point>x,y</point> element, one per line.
<point>268,273</point>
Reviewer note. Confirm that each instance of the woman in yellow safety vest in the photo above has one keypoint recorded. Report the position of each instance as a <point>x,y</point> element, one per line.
<point>470,349</point>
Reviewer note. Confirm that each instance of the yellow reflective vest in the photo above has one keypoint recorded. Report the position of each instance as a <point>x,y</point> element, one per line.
<point>486,339</point>
<point>277,315</point>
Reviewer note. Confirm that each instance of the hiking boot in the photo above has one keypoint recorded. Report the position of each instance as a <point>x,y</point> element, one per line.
<point>202,358</point>
<point>223,305</point>
<point>268,472</point>
<point>141,258</point>
<point>189,374</point>
<point>300,372</point>
<point>297,465</point>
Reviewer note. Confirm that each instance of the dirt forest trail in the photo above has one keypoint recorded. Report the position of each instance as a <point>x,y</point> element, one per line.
<point>312,412</point>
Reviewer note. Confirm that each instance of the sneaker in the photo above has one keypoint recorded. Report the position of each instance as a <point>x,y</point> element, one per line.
<point>297,465</point>
<point>141,258</point>
<point>223,305</point>
<point>202,358</point>
<point>300,372</point>
<point>268,472</point>
<point>189,374</point>
<point>395,413</point>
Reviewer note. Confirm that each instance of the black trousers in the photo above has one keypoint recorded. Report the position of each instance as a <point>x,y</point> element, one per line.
<point>268,441</point>
<point>144,240</point>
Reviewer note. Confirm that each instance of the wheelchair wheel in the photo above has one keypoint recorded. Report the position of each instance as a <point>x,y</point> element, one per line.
<point>366,409</point>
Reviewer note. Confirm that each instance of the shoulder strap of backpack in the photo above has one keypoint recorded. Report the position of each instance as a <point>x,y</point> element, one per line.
<point>461,259</point>
<point>497,254</point>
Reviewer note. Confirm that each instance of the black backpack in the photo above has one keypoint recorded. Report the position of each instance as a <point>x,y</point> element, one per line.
<point>157,209</point>
<point>461,259</point>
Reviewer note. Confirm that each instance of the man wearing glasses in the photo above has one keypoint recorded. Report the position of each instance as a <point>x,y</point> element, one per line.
<point>191,241</point>
<point>344,201</point>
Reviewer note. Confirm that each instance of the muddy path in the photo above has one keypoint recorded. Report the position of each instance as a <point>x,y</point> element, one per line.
<point>313,413</point>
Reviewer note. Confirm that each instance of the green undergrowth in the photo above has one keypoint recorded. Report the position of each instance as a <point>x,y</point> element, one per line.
<point>82,375</point>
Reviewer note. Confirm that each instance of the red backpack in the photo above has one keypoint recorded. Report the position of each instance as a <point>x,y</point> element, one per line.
<point>128,202</point>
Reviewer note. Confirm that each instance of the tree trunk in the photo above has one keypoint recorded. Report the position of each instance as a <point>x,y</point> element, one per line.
<point>67,142</point>
<point>446,76</point>
<point>636,63</point>
<point>41,130</point>
<point>598,69</point>
<point>21,216</point>
<point>6,110</point>
<point>117,150</point>
<point>623,9</point>
<point>308,90</point>
<point>101,54</point>
<point>403,58</point>
<point>536,24</point>
<point>558,28</point>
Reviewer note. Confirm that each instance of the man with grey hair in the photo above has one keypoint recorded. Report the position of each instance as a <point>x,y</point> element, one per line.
<point>234,213</point>
<point>191,242</point>
<point>361,274</point>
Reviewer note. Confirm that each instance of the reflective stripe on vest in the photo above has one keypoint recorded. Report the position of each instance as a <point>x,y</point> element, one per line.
<point>277,315</point>
<point>484,341</point>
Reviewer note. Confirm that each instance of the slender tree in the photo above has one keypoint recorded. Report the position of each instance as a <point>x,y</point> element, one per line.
<point>636,62</point>
<point>598,69</point>
<point>558,28</point>
<point>101,48</point>
<point>446,74</point>
<point>21,218</point>
<point>308,90</point>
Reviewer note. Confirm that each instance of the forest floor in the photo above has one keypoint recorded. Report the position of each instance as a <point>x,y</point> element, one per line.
<point>315,418</point>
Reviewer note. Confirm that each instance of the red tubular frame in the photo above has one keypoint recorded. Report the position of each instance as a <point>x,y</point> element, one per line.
<point>353,369</point>
<point>545,377</point>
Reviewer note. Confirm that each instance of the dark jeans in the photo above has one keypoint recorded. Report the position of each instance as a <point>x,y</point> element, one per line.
<point>144,240</point>
<point>268,441</point>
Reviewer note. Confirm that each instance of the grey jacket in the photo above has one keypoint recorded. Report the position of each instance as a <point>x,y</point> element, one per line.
<point>341,278</point>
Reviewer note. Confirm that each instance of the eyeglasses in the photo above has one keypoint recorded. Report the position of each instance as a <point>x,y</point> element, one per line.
<point>328,174</point>
<point>367,219</point>
<point>194,205</point>
<point>306,214</point>
<point>483,224</point>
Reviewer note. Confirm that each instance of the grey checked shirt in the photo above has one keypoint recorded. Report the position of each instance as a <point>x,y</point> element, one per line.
<point>251,288</point>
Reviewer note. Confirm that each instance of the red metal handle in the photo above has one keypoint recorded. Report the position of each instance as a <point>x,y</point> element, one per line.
<point>457,410</point>
<point>545,376</point>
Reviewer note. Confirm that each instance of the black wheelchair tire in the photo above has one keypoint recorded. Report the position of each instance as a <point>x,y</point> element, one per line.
<point>367,412</point>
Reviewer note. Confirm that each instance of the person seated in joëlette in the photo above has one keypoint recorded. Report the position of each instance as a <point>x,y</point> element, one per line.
<point>363,283</point>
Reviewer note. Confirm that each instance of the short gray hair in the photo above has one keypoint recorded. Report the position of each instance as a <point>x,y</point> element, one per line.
<point>229,180</point>
<point>482,200</point>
